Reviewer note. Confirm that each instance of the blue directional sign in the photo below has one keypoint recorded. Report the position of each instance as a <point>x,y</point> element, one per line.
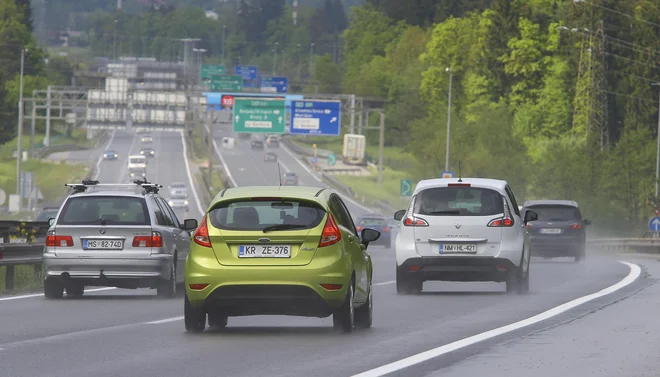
<point>250,83</point>
<point>315,117</point>
<point>274,84</point>
<point>315,160</point>
<point>249,72</point>
<point>654,224</point>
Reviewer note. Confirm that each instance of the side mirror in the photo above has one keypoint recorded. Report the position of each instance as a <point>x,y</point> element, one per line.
<point>51,221</point>
<point>586,222</point>
<point>398,215</point>
<point>531,216</point>
<point>369,235</point>
<point>190,224</point>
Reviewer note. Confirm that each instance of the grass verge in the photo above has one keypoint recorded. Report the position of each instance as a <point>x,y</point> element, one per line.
<point>26,279</point>
<point>77,137</point>
<point>367,186</point>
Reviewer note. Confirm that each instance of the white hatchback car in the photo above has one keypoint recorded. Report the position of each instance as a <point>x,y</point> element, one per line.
<point>466,229</point>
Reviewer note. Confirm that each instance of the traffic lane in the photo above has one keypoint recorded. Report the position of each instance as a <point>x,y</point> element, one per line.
<point>292,346</point>
<point>112,171</point>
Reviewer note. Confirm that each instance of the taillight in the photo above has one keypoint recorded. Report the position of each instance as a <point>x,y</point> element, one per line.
<point>359,228</point>
<point>414,221</point>
<point>201,236</point>
<point>331,287</point>
<point>197,287</point>
<point>576,226</point>
<point>529,226</point>
<point>501,222</point>
<point>155,240</point>
<point>331,233</point>
<point>54,240</point>
<point>386,229</point>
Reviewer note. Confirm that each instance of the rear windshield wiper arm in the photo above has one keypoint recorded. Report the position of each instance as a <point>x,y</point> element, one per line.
<point>283,227</point>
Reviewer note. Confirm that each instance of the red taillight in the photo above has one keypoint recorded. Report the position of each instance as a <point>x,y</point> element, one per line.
<point>155,240</point>
<point>201,236</point>
<point>359,228</point>
<point>331,233</point>
<point>331,287</point>
<point>386,229</point>
<point>576,226</point>
<point>413,268</point>
<point>54,240</point>
<point>414,221</point>
<point>529,226</point>
<point>197,287</point>
<point>501,222</point>
<point>458,185</point>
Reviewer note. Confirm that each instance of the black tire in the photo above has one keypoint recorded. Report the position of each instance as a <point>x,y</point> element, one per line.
<point>580,255</point>
<point>407,286</point>
<point>217,320</point>
<point>364,314</point>
<point>194,319</point>
<point>75,290</point>
<point>344,318</point>
<point>517,281</point>
<point>53,289</point>
<point>167,288</point>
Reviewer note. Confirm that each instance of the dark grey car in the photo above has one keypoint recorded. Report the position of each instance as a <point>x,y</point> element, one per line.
<point>559,230</point>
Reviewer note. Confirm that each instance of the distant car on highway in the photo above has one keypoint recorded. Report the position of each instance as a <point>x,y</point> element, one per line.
<point>137,161</point>
<point>289,179</point>
<point>468,229</point>
<point>110,155</point>
<point>292,251</point>
<point>178,189</point>
<point>559,230</point>
<point>146,139</point>
<point>244,135</point>
<point>270,156</point>
<point>256,144</point>
<point>148,152</point>
<point>379,223</point>
<point>116,236</point>
<point>273,141</point>
<point>178,202</point>
<point>137,173</point>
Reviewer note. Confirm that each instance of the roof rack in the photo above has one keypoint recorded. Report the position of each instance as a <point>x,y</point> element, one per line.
<point>85,184</point>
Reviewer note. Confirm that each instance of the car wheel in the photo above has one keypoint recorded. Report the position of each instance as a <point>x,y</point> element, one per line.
<point>364,314</point>
<point>53,289</point>
<point>516,282</point>
<point>217,320</point>
<point>75,290</point>
<point>167,288</point>
<point>580,255</point>
<point>344,318</point>
<point>194,319</point>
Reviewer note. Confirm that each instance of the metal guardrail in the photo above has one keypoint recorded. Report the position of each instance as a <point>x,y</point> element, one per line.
<point>633,245</point>
<point>23,243</point>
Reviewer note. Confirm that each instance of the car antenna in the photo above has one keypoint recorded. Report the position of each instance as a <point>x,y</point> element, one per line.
<point>280,173</point>
<point>460,179</point>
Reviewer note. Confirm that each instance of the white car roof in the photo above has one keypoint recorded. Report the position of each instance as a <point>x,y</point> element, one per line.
<point>495,184</point>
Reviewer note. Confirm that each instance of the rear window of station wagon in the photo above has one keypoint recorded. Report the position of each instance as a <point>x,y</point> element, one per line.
<point>109,210</point>
<point>459,201</point>
<point>556,212</point>
<point>259,214</point>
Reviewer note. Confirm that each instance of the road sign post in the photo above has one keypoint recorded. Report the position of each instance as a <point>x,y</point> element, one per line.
<point>226,83</point>
<point>273,84</point>
<point>316,118</point>
<point>406,187</point>
<point>263,115</point>
<point>654,224</point>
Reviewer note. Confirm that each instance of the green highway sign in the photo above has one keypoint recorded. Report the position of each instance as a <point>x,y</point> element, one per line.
<point>406,187</point>
<point>209,70</point>
<point>226,83</point>
<point>332,159</point>
<point>259,115</point>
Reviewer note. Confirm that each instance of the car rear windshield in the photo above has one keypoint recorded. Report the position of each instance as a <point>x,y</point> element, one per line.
<point>556,212</point>
<point>136,160</point>
<point>261,214</point>
<point>110,210</point>
<point>372,222</point>
<point>45,215</point>
<point>459,201</point>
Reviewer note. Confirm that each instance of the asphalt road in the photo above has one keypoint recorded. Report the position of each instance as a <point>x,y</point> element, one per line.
<point>132,332</point>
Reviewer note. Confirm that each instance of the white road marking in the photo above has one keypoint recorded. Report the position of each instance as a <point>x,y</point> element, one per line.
<point>166,320</point>
<point>98,163</point>
<point>222,160</point>
<point>10,298</point>
<point>190,179</point>
<point>386,282</point>
<point>635,272</point>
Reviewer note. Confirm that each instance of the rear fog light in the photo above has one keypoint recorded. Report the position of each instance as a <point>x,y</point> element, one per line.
<point>413,268</point>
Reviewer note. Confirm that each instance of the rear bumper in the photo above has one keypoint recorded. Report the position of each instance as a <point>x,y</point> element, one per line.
<point>132,272</point>
<point>455,269</point>
<point>266,290</point>
<point>557,246</point>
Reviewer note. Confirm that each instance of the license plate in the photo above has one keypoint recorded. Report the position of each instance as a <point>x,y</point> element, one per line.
<point>103,244</point>
<point>470,248</point>
<point>264,251</point>
<point>550,231</point>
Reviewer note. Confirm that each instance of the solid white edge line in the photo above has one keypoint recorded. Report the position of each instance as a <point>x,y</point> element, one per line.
<point>190,178</point>
<point>10,298</point>
<point>635,272</point>
<point>385,282</point>
<point>222,159</point>
<point>98,162</point>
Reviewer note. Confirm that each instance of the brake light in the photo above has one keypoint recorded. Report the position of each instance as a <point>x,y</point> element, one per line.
<point>54,240</point>
<point>202,234</point>
<point>197,287</point>
<point>155,240</point>
<point>576,226</point>
<point>331,287</point>
<point>331,233</point>
<point>501,222</point>
<point>386,229</point>
<point>529,226</point>
<point>359,228</point>
<point>458,185</point>
<point>414,221</point>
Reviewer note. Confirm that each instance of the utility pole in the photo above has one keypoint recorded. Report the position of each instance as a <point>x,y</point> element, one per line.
<point>381,149</point>
<point>311,61</point>
<point>48,100</point>
<point>275,57</point>
<point>19,152</point>
<point>451,77</point>
<point>33,127</point>
<point>299,60</point>
<point>224,27</point>
<point>210,144</point>
<point>657,158</point>
<point>114,42</point>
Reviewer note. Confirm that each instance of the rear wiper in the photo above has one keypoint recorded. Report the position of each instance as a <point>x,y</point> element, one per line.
<point>448,212</point>
<point>283,227</point>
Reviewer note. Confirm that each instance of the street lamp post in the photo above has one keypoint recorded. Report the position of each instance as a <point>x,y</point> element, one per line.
<point>224,27</point>
<point>275,57</point>
<point>311,53</point>
<point>657,157</point>
<point>19,140</point>
<point>451,76</point>
<point>299,59</point>
<point>114,42</point>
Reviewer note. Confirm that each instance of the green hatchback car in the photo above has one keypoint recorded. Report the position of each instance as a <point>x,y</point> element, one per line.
<point>288,250</point>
